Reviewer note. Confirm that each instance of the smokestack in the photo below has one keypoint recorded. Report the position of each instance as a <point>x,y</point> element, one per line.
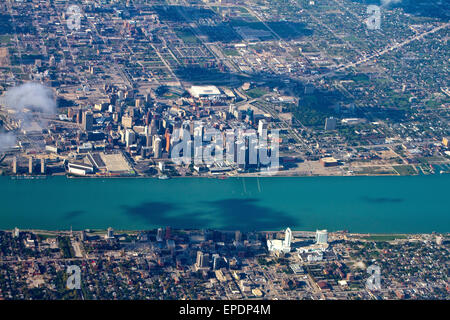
<point>43,168</point>
<point>30,165</point>
<point>14,165</point>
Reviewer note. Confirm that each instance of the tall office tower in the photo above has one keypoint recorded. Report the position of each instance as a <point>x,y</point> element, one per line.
<point>43,167</point>
<point>159,235</point>
<point>330,124</point>
<point>250,115</point>
<point>287,238</point>
<point>216,261</point>
<point>238,236</point>
<point>14,165</point>
<point>148,140</point>
<point>30,165</point>
<point>202,260</point>
<point>16,232</point>
<point>167,136</point>
<point>242,155</point>
<point>88,121</point>
<point>157,147</point>
<point>127,122</point>
<point>138,103</point>
<point>321,236</point>
<point>79,116</point>
<point>148,117</point>
<point>153,126</point>
<point>262,128</point>
<point>148,97</point>
<point>110,233</point>
<point>130,137</point>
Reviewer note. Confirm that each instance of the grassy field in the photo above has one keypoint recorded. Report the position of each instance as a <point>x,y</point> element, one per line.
<point>405,170</point>
<point>256,92</point>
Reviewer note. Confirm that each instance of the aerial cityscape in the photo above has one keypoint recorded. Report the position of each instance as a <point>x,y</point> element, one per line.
<point>224,149</point>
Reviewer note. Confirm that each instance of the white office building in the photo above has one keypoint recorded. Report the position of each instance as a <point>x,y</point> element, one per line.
<point>321,237</point>
<point>281,245</point>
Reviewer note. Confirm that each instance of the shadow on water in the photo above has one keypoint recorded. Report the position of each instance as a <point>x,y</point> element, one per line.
<point>73,214</point>
<point>167,214</point>
<point>247,214</point>
<point>382,200</point>
<point>227,214</point>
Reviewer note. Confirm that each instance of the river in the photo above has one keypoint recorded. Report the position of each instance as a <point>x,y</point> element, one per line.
<point>408,204</point>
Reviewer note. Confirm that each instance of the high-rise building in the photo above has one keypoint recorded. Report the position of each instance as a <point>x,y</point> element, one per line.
<point>216,261</point>
<point>168,233</point>
<point>88,121</point>
<point>138,103</point>
<point>321,237</point>
<point>16,232</point>
<point>330,124</point>
<point>262,128</point>
<point>130,137</point>
<point>287,238</point>
<point>110,233</point>
<point>159,234</point>
<point>202,260</point>
<point>157,147</point>
<point>154,126</point>
<point>167,136</point>
<point>283,246</point>
<point>127,122</point>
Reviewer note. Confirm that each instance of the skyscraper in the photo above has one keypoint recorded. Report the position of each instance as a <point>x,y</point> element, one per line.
<point>110,233</point>
<point>130,137</point>
<point>157,147</point>
<point>202,260</point>
<point>287,238</point>
<point>330,124</point>
<point>262,128</point>
<point>283,246</point>
<point>216,261</point>
<point>88,121</point>
<point>321,236</point>
<point>159,235</point>
<point>16,232</point>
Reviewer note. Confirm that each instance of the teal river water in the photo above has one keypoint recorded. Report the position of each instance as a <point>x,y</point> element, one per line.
<point>411,204</point>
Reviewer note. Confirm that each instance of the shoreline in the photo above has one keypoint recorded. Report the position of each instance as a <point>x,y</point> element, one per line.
<point>304,232</point>
<point>218,177</point>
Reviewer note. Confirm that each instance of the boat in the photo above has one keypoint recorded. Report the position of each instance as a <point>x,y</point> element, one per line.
<point>163,177</point>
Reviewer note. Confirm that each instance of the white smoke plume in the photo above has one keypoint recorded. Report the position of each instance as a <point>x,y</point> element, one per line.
<point>7,141</point>
<point>32,103</point>
<point>385,3</point>
<point>31,95</point>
